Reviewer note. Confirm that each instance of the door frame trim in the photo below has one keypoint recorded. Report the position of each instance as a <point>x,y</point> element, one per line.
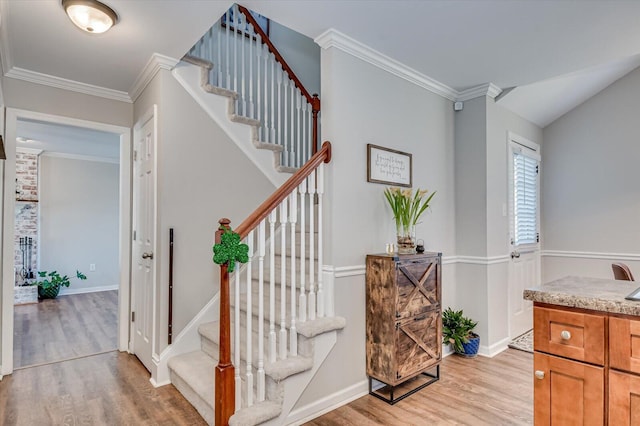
<point>8,225</point>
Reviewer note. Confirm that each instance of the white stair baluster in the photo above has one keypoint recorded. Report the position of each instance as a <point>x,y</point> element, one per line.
<point>236,341</point>
<point>258,79</point>
<point>272,287</point>
<point>218,64</point>
<point>267,133</point>
<point>293,218</point>
<point>272,130</point>
<point>261,252</point>
<point>320,192</point>
<point>227,61</point>
<point>311,184</point>
<point>283,129</point>
<point>251,108</point>
<point>303,260</point>
<point>283,280</point>
<point>310,131</point>
<point>299,124</point>
<point>249,370</point>
<point>236,12</point>
<point>292,161</point>
<point>278,127</point>
<point>242,23</point>
<point>305,148</point>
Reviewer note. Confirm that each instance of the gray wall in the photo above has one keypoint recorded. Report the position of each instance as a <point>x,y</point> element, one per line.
<point>364,104</point>
<point>590,190</point>
<point>202,177</point>
<point>482,231</point>
<point>79,221</point>
<point>300,52</point>
<point>49,100</point>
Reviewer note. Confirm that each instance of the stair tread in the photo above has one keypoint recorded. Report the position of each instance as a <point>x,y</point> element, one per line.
<point>190,367</point>
<point>308,329</point>
<point>256,414</point>
<point>196,370</point>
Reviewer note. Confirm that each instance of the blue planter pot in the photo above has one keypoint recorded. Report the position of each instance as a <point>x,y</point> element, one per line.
<point>471,348</point>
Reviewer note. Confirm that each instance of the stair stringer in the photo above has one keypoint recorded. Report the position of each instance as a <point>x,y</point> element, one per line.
<point>294,386</point>
<point>187,340</point>
<point>218,104</point>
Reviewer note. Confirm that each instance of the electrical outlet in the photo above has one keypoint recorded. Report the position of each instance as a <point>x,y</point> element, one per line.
<point>92,267</point>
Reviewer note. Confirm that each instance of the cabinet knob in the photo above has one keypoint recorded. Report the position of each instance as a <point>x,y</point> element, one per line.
<point>565,334</point>
<point>539,374</point>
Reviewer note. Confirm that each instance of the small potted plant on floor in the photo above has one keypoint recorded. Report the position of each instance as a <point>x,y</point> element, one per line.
<point>49,283</point>
<point>457,330</point>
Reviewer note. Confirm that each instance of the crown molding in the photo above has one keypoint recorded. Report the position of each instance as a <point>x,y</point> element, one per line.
<point>65,84</point>
<point>338,40</point>
<point>5,51</point>
<point>81,157</point>
<point>487,89</point>
<point>156,63</point>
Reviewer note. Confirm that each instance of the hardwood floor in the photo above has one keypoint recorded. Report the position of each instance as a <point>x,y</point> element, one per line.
<point>106,389</point>
<point>66,327</point>
<point>478,391</point>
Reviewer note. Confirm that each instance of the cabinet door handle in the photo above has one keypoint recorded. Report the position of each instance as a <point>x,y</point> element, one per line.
<point>565,334</point>
<point>539,374</point>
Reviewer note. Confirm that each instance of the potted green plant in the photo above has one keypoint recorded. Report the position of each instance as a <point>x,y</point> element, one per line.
<point>49,283</point>
<point>457,330</point>
<point>407,207</point>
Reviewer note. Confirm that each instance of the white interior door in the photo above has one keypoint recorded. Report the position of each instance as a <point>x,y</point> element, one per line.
<point>524,199</point>
<point>143,245</point>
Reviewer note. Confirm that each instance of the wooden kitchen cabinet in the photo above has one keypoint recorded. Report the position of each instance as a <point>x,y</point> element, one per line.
<point>567,392</point>
<point>586,367</point>
<point>624,399</point>
<point>403,319</point>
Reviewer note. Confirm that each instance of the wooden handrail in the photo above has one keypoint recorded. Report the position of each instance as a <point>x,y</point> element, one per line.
<point>265,40</point>
<point>314,101</point>
<point>322,156</point>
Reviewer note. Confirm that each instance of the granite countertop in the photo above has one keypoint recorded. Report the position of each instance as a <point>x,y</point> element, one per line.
<point>596,294</point>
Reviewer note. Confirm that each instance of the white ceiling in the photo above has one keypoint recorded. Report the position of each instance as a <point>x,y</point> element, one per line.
<point>462,44</point>
<point>79,142</point>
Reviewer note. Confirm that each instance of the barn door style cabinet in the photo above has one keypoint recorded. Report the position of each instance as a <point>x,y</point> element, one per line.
<point>404,323</point>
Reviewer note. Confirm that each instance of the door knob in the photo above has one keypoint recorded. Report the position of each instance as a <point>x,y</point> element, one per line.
<point>147,255</point>
<point>539,374</point>
<point>515,254</point>
<point>566,335</point>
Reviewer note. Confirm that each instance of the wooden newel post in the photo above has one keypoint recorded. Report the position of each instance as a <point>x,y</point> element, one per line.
<point>315,109</point>
<point>224,397</point>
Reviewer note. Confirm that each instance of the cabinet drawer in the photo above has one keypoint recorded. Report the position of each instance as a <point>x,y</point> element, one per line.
<point>567,392</point>
<point>624,399</point>
<point>569,334</point>
<point>418,344</point>
<point>624,344</point>
<point>418,289</point>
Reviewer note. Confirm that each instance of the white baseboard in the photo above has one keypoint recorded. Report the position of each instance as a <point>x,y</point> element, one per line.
<point>328,403</point>
<point>495,349</point>
<point>71,290</point>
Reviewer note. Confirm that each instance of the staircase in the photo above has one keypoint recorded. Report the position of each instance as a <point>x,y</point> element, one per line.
<point>276,322</point>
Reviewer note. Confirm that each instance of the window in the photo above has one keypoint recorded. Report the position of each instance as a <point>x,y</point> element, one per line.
<point>524,165</point>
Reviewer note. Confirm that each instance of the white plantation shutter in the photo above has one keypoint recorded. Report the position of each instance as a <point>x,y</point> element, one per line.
<point>525,196</point>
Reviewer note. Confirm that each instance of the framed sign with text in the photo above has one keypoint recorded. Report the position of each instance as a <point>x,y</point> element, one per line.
<point>388,166</point>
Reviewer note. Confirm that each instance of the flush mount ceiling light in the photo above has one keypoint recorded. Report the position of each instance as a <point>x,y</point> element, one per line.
<point>90,15</point>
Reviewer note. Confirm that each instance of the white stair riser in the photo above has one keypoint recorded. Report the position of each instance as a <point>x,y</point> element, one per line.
<point>211,346</point>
